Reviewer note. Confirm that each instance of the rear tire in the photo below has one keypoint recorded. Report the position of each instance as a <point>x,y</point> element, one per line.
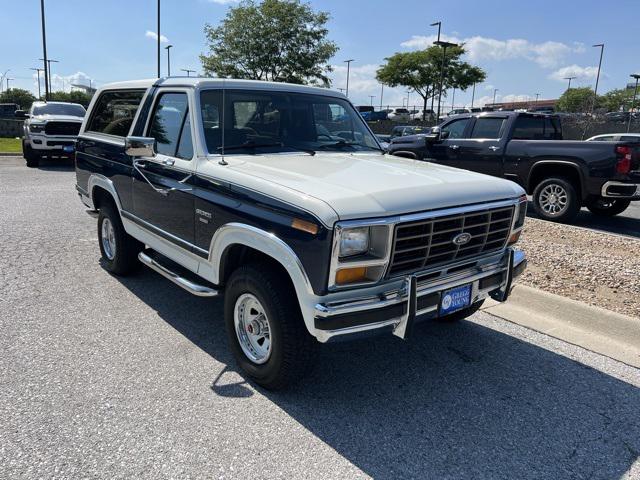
<point>31,157</point>
<point>260,299</point>
<point>607,207</point>
<point>461,314</point>
<point>119,249</point>
<point>556,199</point>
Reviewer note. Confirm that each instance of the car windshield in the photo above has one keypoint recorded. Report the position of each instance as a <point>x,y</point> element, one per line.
<point>260,121</point>
<point>71,109</point>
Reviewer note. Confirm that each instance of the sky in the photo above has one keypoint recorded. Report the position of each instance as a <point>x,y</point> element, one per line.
<point>524,47</point>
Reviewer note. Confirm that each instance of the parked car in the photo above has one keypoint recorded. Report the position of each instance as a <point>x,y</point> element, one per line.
<point>403,130</point>
<point>616,137</point>
<point>399,115</point>
<point>374,115</point>
<point>620,117</point>
<point>427,114</point>
<point>562,176</point>
<point>383,140</point>
<point>453,113</point>
<point>227,188</point>
<point>50,129</point>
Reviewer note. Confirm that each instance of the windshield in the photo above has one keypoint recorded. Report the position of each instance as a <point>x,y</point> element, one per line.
<point>71,109</point>
<point>256,121</point>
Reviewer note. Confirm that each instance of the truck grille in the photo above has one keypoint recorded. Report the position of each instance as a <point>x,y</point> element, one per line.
<point>427,243</point>
<point>62,128</point>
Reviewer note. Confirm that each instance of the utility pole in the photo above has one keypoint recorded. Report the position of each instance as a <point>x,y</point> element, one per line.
<point>38,70</point>
<point>495,90</point>
<point>633,103</point>
<point>188,71</point>
<point>381,93</point>
<point>168,49</point>
<point>473,94</point>
<point>348,62</point>
<point>44,53</point>
<point>569,78</point>
<point>595,90</point>
<point>372,97</point>
<point>433,92</point>
<point>158,39</point>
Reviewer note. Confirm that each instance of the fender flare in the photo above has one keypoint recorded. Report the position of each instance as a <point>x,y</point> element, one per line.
<point>98,180</point>
<point>541,163</point>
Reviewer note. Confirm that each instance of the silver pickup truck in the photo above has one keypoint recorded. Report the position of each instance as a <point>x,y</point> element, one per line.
<point>279,198</point>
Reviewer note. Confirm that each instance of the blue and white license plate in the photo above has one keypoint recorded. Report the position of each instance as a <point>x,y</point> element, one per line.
<point>455,299</point>
<point>68,149</point>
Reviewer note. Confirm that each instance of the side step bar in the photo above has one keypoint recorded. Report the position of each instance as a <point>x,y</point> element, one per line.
<point>188,285</point>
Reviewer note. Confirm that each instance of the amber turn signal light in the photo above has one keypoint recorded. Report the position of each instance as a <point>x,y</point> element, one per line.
<point>514,237</point>
<point>347,276</point>
<point>305,226</point>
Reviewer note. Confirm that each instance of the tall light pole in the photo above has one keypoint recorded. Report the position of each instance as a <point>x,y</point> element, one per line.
<point>38,70</point>
<point>158,39</point>
<point>348,62</point>
<point>473,94</point>
<point>444,46</point>
<point>569,78</point>
<point>595,90</point>
<point>44,53</point>
<point>495,90</point>
<point>381,94</point>
<point>433,96</point>
<point>453,99</point>
<point>633,103</point>
<point>408,92</point>
<point>537,96</point>
<point>167,48</point>
<point>2,77</point>
<point>8,79</point>
<point>371,97</point>
<point>47,65</point>
<point>189,72</point>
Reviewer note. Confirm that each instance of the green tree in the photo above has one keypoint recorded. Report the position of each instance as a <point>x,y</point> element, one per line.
<point>420,71</point>
<point>75,96</point>
<point>617,99</point>
<point>576,100</point>
<point>276,40</point>
<point>22,97</point>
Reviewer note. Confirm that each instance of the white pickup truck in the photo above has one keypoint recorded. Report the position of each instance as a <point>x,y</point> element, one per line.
<point>279,198</point>
<point>50,129</point>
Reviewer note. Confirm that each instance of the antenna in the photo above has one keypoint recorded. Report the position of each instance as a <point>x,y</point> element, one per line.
<point>222,124</point>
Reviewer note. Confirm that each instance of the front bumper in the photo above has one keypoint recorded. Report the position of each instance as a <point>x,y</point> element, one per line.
<point>54,144</point>
<point>418,297</point>
<point>627,191</point>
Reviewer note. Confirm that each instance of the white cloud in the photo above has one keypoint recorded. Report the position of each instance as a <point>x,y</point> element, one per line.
<point>511,97</point>
<point>546,54</point>
<point>63,82</point>
<point>154,36</point>
<point>581,74</point>
<point>362,83</point>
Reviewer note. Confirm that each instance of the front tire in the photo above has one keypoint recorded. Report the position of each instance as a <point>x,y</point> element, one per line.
<point>119,249</point>
<point>607,207</point>
<point>556,200</point>
<point>31,157</point>
<point>265,327</point>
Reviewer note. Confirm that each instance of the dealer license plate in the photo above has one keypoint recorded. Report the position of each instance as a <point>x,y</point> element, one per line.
<point>455,299</point>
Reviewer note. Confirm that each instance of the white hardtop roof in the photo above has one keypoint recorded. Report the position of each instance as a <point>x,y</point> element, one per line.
<point>204,82</point>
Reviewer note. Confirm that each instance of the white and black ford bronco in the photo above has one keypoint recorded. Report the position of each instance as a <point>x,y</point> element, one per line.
<point>279,197</point>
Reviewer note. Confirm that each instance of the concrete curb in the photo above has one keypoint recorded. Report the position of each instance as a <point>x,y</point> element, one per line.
<point>11,154</point>
<point>596,329</point>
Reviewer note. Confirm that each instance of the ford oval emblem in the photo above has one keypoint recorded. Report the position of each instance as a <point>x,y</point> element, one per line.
<point>461,239</point>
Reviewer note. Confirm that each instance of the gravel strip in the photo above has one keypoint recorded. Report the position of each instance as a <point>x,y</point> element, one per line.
<point>592,267</point>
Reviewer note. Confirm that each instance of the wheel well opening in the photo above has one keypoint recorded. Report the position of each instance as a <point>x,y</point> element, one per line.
<point>237,255</point>
<point>101,196</point>
<point>554,171</point>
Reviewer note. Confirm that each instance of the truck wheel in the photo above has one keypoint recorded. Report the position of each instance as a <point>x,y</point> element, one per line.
<point>119,249</point>
<point>32,158</point>
<point>607,207</point>
<point>555,199</point>
<point>264,324</point>
<point>461,314</point>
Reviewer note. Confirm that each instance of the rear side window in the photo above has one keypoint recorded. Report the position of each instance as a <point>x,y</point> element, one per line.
<point>537,128</point>
<point>488,128</point>
<point>170,126</point>
<point>114,112</point>
<point>629,139</point>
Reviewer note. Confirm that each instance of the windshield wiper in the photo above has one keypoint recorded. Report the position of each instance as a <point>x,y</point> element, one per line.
<point>253,145</point>
<point>344,143</point>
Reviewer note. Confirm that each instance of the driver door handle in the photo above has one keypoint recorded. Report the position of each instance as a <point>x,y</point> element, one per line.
<point>494,148</point>
<point>454,147</point>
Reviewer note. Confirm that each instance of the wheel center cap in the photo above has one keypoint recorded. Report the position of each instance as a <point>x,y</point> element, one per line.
<point>552,199</point>
<point>253,328</point>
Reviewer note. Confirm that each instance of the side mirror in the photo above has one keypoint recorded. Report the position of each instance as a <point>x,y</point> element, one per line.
<point>435,135</point>
<point>140,146</point>
<point>20,114</point>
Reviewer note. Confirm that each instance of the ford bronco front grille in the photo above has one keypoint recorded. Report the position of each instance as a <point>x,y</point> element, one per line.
<point>62,128</point>
<point>422,244</point>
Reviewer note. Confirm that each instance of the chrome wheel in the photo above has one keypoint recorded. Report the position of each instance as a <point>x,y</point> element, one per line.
<point>252,328</point>
<point>554,199</point>
<point>108,239</point>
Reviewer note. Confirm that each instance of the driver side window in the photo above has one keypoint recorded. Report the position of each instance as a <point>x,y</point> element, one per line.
<point>456,128</point>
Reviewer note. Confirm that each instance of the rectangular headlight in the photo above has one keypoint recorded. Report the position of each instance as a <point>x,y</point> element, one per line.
<point>354,241</point>
<point>36,127</point>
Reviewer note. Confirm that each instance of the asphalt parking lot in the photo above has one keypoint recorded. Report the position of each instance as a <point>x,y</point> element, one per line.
<point>106,377</point>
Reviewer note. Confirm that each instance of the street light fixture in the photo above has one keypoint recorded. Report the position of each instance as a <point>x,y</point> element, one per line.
<point>569,78</point>
<point>595,90</point>
<point>189,72</point>
<point>348,62</point>
<point>38,70</point>
<point>633,103</point>
<point>167,48</point>
<point>444,46</point>
<point>48,63</point>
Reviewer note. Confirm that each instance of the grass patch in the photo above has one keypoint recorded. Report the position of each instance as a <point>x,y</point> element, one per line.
<point>10,145</point>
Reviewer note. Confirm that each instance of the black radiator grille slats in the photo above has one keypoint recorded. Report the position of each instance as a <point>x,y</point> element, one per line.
<point>62,128</point>
<point>426,243</point>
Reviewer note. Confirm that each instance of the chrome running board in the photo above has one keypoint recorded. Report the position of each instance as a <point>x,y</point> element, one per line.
<point>188,285</point>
